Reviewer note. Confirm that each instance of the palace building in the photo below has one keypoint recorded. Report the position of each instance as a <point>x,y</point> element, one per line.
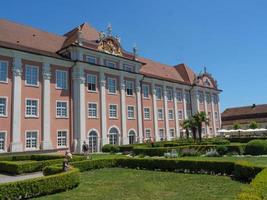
<point>57,91</point>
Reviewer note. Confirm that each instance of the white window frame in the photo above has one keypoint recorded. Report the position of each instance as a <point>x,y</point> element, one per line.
<point>37,76</point>
<point>216,116</point>
<point>95,76</point>
<point>128,66</point>
<point>87,57</point>
<point>148,129</point>
<point>170,130</point>
<point>161,96</point>
<point>163,132</point>
<point>109,62</point>
<point>208,98</point>
<point>179,95</point>
<point>6,62</point>
<point>146,118</point>
<point>201,97</point>
<point>66,72</point>
<point>6,108</point>
<point>67,109</point>
<point>169,94</point>
<point>62,130</point>
<point>37,140</point>
<point>126,87</point>
<point>133,117</point>
<point>5,141</point>
<point>172,118</point>
<point>109,92</point>
<point>160,114</point>
<point>109,111</point>
<point>180,117</point>
<point>95,103</point>
<point>31,116</point>
<point>145,86</point>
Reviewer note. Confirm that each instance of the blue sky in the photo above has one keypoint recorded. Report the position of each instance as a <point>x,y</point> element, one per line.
<point>228,37</point>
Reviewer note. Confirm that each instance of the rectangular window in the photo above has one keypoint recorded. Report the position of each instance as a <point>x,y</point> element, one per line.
<point>62,109</point>
<point>92,110</point>
<point>179,96</point>
<point>130,112</point>
<point>61,79</point>
<point>169,94</point>
<point>62,138</point>
<point>200,97</point>
<point>180,115</point>
<point>111,64</point>
<point>203,130</point>
<point>148,133</point>
<point>31,140</point>
<point>3,107</point>
<point>172,133</point>
<point>31,75</point>
<point>145,91</point>
<point>187,97</point>
<point>31,108</point>
<point>160,114</point>
<point>216,116</point>
<point>129,88</point>
<point>208,98</point>
<point>2,141</point>
<point>112,85</point>
<point>170,113</point>
<point>158,93</point>
<point>161,134</point>
<point>112,111</point>
<point>91,59</point>
<point>189,113</point>
<point>91,82</point>
<point>128,68</point>
<point>215,99</point>
<point>3,71</point>
<point>146,113</point>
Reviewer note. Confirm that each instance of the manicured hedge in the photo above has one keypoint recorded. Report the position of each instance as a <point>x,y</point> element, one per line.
<point>256,147</point>
<point>246,171</point>
<point>53,169</point>
<point>109,148</point>
<point>94,164</point>
<point>37,157</point>
<point>159,151</point>
<point>245,139</point>
<point>257,190</point>
<point>40,186</point>
<point>13,167</point>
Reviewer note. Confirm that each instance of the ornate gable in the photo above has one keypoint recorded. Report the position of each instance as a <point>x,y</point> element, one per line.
<point>110,45</point>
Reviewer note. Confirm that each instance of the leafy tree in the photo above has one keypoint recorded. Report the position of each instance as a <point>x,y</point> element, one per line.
<point>193,127</point>
<point>236,126</point>
<point>200,118</point>
<point>253,125</point>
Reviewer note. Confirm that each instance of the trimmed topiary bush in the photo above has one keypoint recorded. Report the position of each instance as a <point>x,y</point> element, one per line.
<point>109,148</point>
<point>256,147</point>
<point>222,150</point>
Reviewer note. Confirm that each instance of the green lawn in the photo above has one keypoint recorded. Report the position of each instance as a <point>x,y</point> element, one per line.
<point>129,184</point>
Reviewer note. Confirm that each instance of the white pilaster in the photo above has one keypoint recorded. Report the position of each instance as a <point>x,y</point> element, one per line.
<point>103,108</point>
<point>139,111</point>
<point>219,111</point>
<point>155,113</point>
<point>46,142</point>
<point>206,111</point>
<point>177,125</point>
<point>166,113</point>
<point>79,107</point>
<point>16,145</point>
<point>194,101</point>
<point>213,116</point>
<point>184,105</point>
<point>124,135</point>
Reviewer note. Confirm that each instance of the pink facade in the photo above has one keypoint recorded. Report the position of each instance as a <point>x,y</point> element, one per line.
<point>60,96</point>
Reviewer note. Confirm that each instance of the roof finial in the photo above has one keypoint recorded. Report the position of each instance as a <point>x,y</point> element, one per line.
<point>79,35</point>
<point>109,29</point>
<point>135,50</point>
<point>205,70</point>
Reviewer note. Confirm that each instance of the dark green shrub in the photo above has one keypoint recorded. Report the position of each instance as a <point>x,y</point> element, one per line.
<point>256,147</point>
<point>189,152</point>
<point>109,148</point>
<point>40,186</point>
<point>126,148</point>
<point>245,171</point>
<point>94,164</point>
<point>222,150</point>
<point>53,169</point>
<point>245,139</point>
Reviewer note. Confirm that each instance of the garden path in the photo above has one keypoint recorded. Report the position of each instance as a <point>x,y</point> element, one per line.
<point>4,178</point>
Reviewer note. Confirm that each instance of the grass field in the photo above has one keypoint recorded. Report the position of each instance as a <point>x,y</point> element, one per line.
<point>129,184</point>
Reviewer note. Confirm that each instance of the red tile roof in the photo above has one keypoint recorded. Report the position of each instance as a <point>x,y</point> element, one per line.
<point>21,37</point>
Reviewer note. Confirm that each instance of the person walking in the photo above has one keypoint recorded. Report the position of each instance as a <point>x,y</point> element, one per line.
<point>85,149</point>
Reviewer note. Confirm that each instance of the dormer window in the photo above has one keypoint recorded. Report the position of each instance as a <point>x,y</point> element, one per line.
<point>128,68</point>
<point>91,59</point>
<point>207,83</point>
<point>111,64</point>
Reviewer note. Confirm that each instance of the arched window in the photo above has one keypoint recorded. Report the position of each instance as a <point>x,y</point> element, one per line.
<point>131,137</point>
<point>93,141</point>
<point>113,136</point>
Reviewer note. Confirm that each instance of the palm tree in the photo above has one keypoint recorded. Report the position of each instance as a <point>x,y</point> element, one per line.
<point>193,127</point>
<point>186,126</point>
<point>200,118</point>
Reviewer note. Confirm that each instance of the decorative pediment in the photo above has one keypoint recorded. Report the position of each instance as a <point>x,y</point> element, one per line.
<point>110,45</point>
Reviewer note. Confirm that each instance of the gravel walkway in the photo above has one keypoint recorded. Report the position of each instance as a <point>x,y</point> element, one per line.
<point>6,178</point>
